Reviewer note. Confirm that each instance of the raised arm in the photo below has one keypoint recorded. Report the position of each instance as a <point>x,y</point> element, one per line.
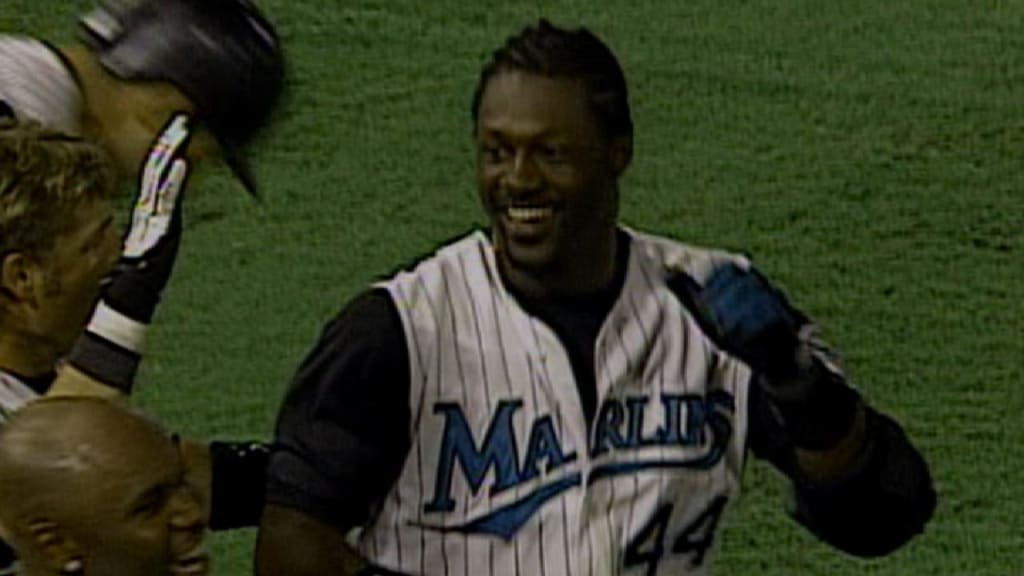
<point>106,356</point>
<point>860,484</point>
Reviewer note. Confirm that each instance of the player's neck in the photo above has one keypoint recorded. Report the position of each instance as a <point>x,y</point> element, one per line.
<point>25,357</point>
<point>580,276</point>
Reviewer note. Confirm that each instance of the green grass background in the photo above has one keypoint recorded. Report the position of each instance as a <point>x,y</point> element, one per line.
<point>867,153</point>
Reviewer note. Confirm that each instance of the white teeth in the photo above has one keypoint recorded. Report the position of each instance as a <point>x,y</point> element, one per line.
<point>195,564</point>
<point>528,214</point>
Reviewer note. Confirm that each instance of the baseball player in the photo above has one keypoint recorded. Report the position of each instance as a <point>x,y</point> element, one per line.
<point>60,251</point>
<point>137,63</point>
<point>129,510</point>
<point>562,394</point>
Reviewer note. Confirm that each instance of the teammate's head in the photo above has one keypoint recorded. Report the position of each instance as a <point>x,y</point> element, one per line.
<point>124,117</point>
<point>57,235</point>
<point>219,60</point>
<point>554,134</point>
<point>93,488</point>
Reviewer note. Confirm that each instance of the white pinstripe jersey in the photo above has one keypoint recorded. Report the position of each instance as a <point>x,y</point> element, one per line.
<point>14,394</point>
<point>504,478</point>
<point>37,85</point>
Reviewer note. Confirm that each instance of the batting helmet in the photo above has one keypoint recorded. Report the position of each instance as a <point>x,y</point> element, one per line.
<point>223,54</point>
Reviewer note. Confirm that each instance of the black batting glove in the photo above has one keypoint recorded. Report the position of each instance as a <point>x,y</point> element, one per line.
<point>752,320</point>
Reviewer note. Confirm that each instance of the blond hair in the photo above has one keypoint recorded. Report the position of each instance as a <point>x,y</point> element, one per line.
<point>45,176</point>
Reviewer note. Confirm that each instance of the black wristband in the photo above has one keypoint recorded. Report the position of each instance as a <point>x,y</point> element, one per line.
<point>105,361</point>
<point>239,471</point>
<point>822,418</point>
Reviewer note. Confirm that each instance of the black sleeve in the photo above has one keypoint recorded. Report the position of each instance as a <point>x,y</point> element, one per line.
<point>343,431</point>
<point>873,510</point>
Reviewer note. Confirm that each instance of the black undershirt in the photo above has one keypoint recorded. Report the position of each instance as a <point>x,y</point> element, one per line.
<point>577,321</point>
<point>39,384</point>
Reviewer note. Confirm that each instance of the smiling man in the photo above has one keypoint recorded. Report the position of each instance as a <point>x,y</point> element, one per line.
<point>562,394</point>
<point>93,488</point>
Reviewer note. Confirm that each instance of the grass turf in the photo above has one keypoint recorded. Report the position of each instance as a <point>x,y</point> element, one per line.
<point>866,153</point>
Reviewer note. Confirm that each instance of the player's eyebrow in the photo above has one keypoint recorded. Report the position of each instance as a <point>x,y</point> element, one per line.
<point>502,131</point>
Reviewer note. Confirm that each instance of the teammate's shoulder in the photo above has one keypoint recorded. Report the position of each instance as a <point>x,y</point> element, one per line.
<point>676,257</point>
<point>27,55</point>
<point>38,83</point>
<point>15,43</point>
<point>16,391</point>
<point>454,249</point>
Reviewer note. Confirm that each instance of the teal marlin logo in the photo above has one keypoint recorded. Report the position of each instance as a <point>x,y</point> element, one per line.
<point>497,465</point>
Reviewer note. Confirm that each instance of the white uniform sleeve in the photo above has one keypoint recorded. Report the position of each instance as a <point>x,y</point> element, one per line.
<point>36,84</point>
<point>14,394</point>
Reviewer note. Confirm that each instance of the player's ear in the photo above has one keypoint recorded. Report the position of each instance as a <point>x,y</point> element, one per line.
<point>57,550</point>
<point>621,151</point>
<point>19,276</point>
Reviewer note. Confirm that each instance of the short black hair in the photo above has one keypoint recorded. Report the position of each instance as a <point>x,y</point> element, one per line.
<point>548,50</point>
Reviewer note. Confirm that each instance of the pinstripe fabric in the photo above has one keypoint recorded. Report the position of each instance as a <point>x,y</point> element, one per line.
<point>14,394</point>
<point>475,352</point>
<point>36,84</point>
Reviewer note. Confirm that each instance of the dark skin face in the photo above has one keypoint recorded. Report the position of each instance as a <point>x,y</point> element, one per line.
<point>548,179</point>
<point>108,486</point>
<point>139,515</point>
